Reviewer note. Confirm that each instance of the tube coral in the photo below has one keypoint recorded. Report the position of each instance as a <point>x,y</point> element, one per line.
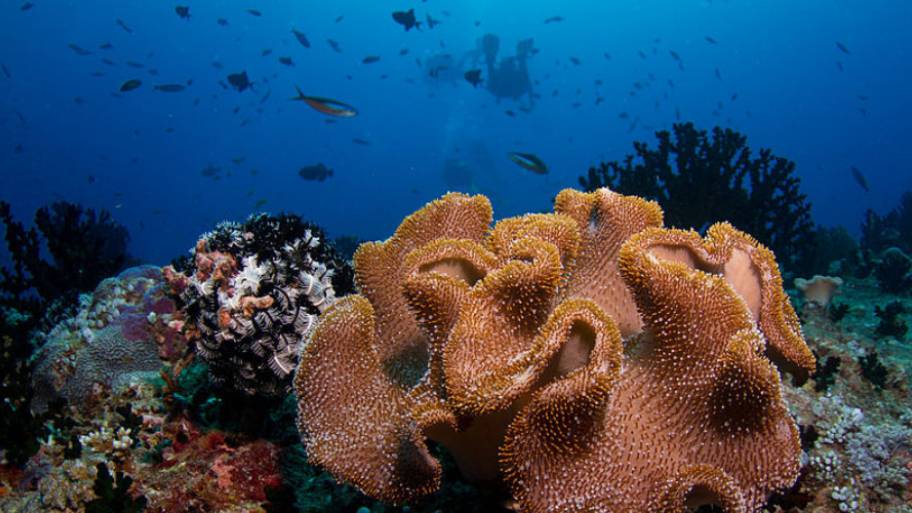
<point>589,358</point>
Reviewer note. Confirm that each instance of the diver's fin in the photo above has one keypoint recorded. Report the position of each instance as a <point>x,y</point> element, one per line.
<point>300,96</point>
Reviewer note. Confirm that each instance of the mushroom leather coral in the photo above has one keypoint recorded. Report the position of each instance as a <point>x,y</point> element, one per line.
<point>590,359</point>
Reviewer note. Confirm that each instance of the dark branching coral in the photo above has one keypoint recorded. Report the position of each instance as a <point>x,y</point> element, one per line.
<point>113,494</point>
<point>873,370</point>
<point>700,178</point>
<point>251,293</point>
<point>894,271</point>
<point>894,229</point>
<point>826,373</point>
<point>837,311</point>
<point>85,246</point>
<point>891,324</point>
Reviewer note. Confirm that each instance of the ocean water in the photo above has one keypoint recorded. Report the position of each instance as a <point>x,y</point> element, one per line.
<point>67,134</point>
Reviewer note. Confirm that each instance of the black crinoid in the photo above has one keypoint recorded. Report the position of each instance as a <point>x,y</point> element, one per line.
<point>250,294</point>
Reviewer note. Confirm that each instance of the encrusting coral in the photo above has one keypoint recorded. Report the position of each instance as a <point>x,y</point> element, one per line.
<point>590,359</point>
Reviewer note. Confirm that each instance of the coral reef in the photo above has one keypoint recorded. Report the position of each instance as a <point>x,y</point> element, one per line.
<point>819,290</point>
<point>894,271</point>
<point>505,346</point>
<point>892,230</point>
<point>120,333</point>
<point>85,246</point>
<point>252,293</point>
<point>700,178</point>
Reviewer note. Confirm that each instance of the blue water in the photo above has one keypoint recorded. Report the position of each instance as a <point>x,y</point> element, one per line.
<point>778,57</point>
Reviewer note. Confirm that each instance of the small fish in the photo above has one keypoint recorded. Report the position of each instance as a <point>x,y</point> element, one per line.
<point>90,178</point>
<point>222,21</point>
<point>404,51</point>
<point>266,51</point>
<point>238,160</point>
<point>6,71</point>
<point>301,37</point>
<point>370,59</point>
<point>528,161</point>
<point>183,11</point>
<point>674,55</point>
<point>240,81</point>
<point>839,65</point>
<point>169,88</point>
<point>510,113</point>
<point>137,65</point>
<point>641,54</point>
<point>211,171</point>
<point>26,6</point>
<point>122,24</point>
<point>862,97</point>
<point>78,49</point>
<point>260,202</point>
<point>78,100</point>
<point>473,76</point>
<point>340,18</point>
<point>575,61</point>
<point>254,12</point>
<point>317,172</point>
<point>334,45</point>
<point>130,85</point>
<point>18,149</point>
<point>842,48</point>
<point>607,56</point>
<point>326,106</point>
<point>859,178</point>
<point>97,74</point>
<point>105,46</point>
<point>554,19</point>
<point>407,19</point>
<point>431,22</point>
<point>109,62</point>
<point>718,74</point>
<point>711,40</point>
<point>362,142</point>
<point>217,65</point>
<point>153,72</point>
<point>623,115</point>
<point>286,61</point>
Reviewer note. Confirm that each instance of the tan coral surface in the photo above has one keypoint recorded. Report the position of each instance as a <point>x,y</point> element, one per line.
<point>589,358</point>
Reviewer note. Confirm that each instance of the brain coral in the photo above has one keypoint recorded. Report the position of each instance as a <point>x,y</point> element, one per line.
<point>589,358</point>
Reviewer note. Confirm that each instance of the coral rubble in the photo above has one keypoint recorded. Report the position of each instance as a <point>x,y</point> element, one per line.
<point>252,293</point>
<point>589,358</point>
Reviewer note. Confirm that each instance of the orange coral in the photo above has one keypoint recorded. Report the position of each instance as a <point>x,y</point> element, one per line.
<point>516,361</point>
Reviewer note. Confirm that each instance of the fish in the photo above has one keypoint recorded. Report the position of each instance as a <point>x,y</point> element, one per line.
<point>153,72</point>
<point>674,55</point>
<point>137,65</point>
<point>260,202</point>
<point>473,76</point>
<point>839,65</point>
<point>404,51</point>
<point>211,171</point>
<point>406,19</point>
<point>510,113</point>
<point>301,37</point>
<point>130,85</point>
<point>286,61</point>
<point>254,12</point>
<point>169,88</point>
<point>240,81</point>
<point>711,40</point>
<point>238,160</point>
<point>334,45</point>
<point>326,106</point>
<point>122,24</point>
<point>6,71</point>
<point>362,142</point>
<point>370,59</point>
<point>340,18</point>
<point>859,178</point>
<point>78,49</point>
<point>217,65</point>
<point>431,22</point>
<point>843,48</point>
<point>222,21</point>
<point>575,61</point>
<point>78,100</point>
<point>26,6</point>
<point>105,46</point>
<point>554,19</point>
<point>528,161</point>
<point>183,11</point>
<point>266,51</point>
<point>109,62</point>
<point>641,54</point>
<point>607,56</point>
<point>718,74</point>
<point>18,149</point>
<point>317,172</point>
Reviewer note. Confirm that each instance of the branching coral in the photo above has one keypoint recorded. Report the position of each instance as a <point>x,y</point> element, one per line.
<point>700,178</point>
<point>252,293</point>
<point>591,359</point>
